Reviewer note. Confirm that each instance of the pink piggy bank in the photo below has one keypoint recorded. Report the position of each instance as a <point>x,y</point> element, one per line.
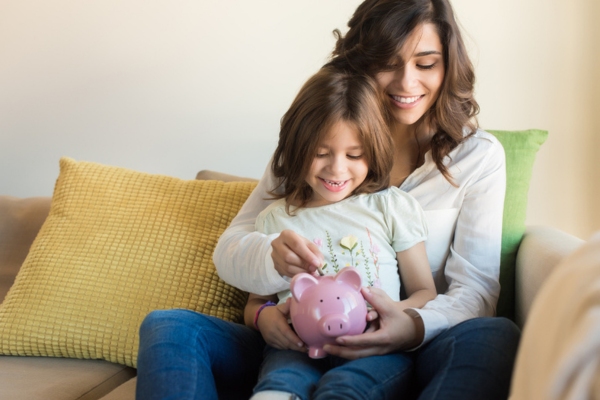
<point>325,307</point>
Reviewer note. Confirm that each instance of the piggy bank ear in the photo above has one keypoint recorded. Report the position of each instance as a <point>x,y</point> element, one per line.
<point>300,283</point>
<point>350,276</point>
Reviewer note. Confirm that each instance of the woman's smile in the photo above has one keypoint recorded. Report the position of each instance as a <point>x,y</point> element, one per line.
<point>406,101</point>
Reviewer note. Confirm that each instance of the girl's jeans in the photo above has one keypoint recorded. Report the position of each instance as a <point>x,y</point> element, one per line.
<point>376,377</point>
<point>186,355</point>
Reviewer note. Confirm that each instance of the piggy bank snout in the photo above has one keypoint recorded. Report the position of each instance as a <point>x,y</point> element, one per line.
<point>334,325</point>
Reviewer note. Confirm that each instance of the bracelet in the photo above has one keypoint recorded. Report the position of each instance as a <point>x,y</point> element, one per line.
<point>267,304</point>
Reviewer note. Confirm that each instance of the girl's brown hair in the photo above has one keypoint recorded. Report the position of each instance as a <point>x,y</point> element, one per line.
<point>379,29</point>
<point>328,97</point>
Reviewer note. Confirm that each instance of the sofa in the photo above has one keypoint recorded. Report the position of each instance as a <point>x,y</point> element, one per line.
<point>49,333</point>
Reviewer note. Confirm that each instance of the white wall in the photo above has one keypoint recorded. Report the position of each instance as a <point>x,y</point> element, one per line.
<point>172,87</point>
<point>537,64</point>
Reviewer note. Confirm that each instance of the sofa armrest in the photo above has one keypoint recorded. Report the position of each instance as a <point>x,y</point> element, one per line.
<point>20,221</point>
<point>541,249</point>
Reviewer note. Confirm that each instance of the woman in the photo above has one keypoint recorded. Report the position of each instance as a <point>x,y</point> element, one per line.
<point>414,50</point>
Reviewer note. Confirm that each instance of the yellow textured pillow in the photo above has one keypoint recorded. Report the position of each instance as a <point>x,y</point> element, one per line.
<point>117,244</point>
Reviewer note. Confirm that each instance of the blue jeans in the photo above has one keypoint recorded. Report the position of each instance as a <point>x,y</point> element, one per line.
<point>473,360</point>
<point>187,355</point>
<point>376,377</point>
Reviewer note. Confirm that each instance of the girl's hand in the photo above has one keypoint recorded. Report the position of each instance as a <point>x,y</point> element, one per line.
<point>393,330</point>
<point>273,325</point>
<point>293,254</point>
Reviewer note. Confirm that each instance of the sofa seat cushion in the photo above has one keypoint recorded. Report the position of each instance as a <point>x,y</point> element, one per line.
<point>44,378</point>
<point>125,391</point>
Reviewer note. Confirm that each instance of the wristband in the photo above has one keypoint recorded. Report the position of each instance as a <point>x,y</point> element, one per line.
<point>267,304</point>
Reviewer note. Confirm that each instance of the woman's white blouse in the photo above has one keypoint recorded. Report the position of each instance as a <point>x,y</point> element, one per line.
<point>463,246</point>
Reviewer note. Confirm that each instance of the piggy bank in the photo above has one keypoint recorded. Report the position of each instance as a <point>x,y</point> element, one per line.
<point>325,307</point>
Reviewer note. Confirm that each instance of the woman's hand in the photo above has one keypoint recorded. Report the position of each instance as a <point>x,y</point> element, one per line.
<point>393,330</point>
<point>293,254</point>
<point>276,331</point>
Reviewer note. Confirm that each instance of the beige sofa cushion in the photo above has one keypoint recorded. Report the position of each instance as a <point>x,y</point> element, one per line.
<point>541,250</point>
<point>124,392</point>
<point>20,221</point>
<point>43,378</point>
<point>209,175</point>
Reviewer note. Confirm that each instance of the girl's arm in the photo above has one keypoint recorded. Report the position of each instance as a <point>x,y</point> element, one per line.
<point>245,258</point>
<point>416,277</point>
<point>272,322</point>
<point>253,304</point>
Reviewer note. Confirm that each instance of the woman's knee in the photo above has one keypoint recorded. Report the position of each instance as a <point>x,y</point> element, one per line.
<point>163,325</point>
<point>493,329</point>
<point>497,330</point>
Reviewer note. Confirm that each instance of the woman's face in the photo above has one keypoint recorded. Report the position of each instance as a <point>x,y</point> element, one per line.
<point>414,77</point>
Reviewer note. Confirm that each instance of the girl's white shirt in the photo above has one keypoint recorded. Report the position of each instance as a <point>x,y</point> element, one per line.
<point>463,246</point>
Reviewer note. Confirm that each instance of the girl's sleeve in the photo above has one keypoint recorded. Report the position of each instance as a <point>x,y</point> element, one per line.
<point>243,255</point>
<point>405,219</point>
<point>473,265</point>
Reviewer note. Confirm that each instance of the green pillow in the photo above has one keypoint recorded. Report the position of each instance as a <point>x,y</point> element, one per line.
<point>520,148</point>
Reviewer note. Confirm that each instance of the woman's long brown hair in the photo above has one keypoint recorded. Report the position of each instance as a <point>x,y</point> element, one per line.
<point>378,30</point>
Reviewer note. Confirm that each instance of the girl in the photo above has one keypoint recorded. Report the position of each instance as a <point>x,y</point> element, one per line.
<point>415,52</point>
<point>332,167</point>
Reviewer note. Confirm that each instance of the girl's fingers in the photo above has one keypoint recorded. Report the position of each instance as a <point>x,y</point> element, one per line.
<point>291,250</point>
<point>294,342</point>
<point>372,315</point>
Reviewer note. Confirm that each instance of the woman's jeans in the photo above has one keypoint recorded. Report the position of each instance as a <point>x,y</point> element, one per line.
<point>186,355</point>
<point>473,360</point>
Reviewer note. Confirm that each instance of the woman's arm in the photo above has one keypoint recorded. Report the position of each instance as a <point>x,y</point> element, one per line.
<point>255,262</point>
<point>243,255</point>
<point>472,268</point>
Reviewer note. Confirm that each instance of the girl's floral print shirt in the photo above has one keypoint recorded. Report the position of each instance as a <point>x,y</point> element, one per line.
<point>364,231</point>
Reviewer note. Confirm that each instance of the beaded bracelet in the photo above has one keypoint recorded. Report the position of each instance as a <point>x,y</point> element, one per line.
<point>267,304</point>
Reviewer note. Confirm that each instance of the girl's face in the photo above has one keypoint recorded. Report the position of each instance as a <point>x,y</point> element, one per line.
<point>339,166</point>
<point>415,76</point>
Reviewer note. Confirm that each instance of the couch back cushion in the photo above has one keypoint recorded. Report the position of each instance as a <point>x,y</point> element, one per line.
<point>520,148</point>
<point>116,245</point>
